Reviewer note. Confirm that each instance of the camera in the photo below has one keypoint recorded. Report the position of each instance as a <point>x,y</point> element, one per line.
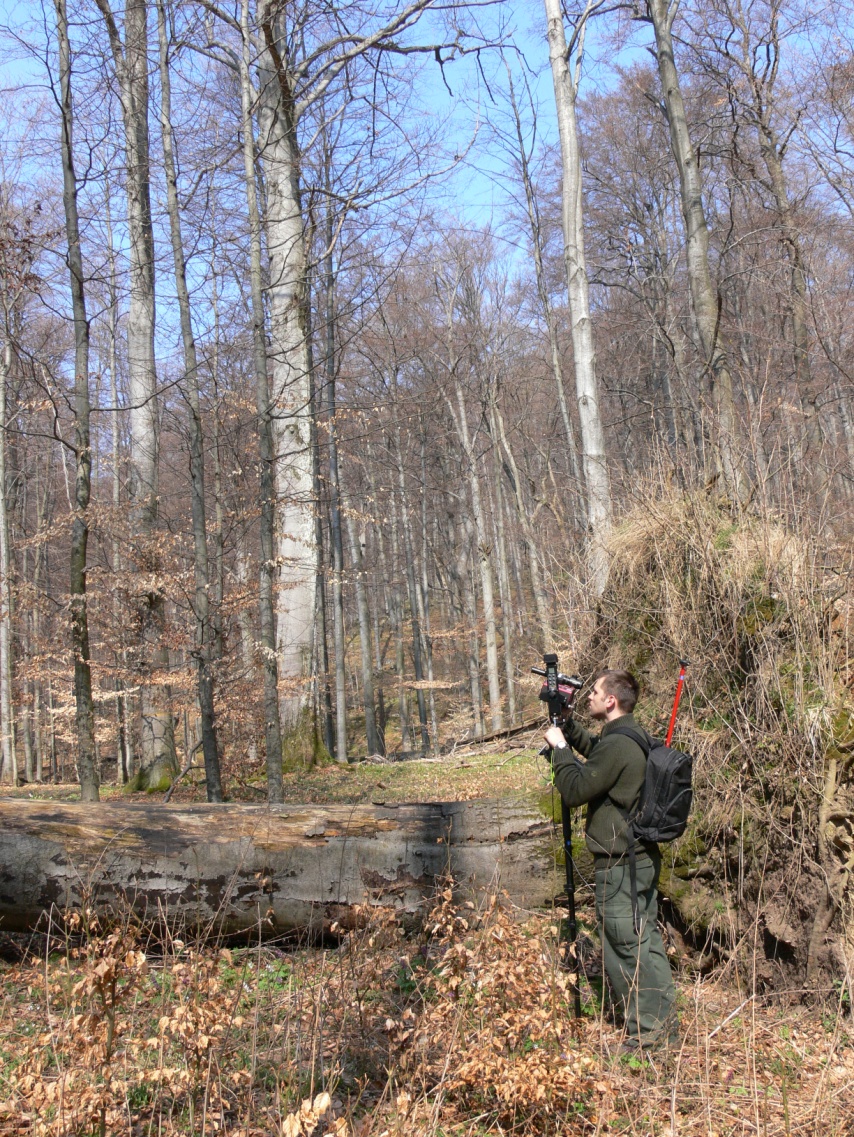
<point>559,690</point>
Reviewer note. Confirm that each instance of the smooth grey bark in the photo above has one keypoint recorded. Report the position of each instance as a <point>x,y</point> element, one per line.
<point>523,513</point>
<point>124,716</point>
<point>454,283</point>
<point>596,476</point>
<point>704,296</point>
<point>468,604</point>
<point>78,610</point>
<point>323,709</point>
<point>336,539</point>
<point>412,587</point>
<point>219,509</point>
<point>201,599</point>
<point>395,613</point>
<point>296,554</point>
<point>424,591</point>
<point>272,722</point>
<point>503,574</point>
<point>484,558</point>
<point>158,762</point>
<point>543,293</point>
<point>8,769</point>
<point>374,742</point>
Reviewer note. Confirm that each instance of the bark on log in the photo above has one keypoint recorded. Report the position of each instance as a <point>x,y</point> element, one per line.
<point>264,869</point>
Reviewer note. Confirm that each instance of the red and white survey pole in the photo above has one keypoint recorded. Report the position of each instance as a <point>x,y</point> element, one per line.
<point>683,664</point>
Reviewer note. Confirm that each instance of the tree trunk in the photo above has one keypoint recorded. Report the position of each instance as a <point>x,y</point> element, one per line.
<point>336,537</point>
<point>596,476</point>
<point>484,559</point>
<point>544,617</point>
<point>8,767</point>
<point>260,870</point>
<point>272,722</point>
<point>412,586</point>
<point>85,716</point>
<point>703,293</point>
<point>424,592</point>
<point>201,599</point>
<point>290,395</point>
<point>321,665</point>
<point>158,762</point>
<point>373,740</point>
<point>543,293</point>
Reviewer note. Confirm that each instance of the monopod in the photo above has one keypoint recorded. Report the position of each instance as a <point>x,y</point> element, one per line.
<point>683,664</point>
<point>559,692</point>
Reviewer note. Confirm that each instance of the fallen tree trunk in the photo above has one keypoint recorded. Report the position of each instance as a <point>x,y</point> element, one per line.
<point>265,869</point>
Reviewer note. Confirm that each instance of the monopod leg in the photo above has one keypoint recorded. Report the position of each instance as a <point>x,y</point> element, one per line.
<point>570,955</point>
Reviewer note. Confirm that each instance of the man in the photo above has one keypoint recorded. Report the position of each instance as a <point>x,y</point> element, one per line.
<point>610,783</point>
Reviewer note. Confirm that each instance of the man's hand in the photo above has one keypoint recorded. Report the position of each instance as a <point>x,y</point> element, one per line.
<point>554,737</point>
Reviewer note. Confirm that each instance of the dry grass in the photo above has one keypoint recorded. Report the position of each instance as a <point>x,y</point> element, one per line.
<point>464,1030</point>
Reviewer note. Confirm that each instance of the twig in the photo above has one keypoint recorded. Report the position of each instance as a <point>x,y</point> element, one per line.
<point>186,770</point>
<point>732,1015</point>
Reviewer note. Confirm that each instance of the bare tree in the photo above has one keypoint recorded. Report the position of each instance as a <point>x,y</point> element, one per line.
<point>201,602</point>
<point>86,764</point>
<point>704,297</point>
<point>596,476</point>
<point>158,762</point>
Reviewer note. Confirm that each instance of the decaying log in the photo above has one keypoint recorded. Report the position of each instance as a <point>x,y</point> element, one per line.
<point>266,869</point>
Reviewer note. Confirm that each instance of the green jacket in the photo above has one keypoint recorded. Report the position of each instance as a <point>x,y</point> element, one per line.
<point>612,777</point>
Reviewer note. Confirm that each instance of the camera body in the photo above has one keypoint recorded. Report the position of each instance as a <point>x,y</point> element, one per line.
<point>558,690</point>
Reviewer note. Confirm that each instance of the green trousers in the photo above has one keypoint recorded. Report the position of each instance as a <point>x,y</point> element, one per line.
<point>636,962</point>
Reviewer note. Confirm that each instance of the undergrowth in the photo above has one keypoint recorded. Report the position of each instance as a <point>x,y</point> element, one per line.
<point>465,1028</point>
<point>763,611</point>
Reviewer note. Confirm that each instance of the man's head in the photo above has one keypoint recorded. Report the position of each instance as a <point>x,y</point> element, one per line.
<point>614,693</point>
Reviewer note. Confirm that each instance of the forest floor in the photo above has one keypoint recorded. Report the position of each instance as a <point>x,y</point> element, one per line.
<point>460,1030</point>
<point>486,770</point>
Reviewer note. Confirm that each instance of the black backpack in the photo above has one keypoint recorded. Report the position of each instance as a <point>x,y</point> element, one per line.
<point>665,800</point>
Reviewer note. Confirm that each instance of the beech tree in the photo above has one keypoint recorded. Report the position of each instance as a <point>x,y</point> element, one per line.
<point>88,771</point>
<point>596,476</point>
<point>157,759</point>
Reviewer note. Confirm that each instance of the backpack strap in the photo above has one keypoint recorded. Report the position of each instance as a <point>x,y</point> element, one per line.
<point>643,742</point>
<point>635,735</point>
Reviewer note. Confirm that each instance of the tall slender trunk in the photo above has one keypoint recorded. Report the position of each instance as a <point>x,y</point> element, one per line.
<point>596,476</point>
<point>769,146</point>
<point>201,599</point>
<point>503,575</point>
<point>424,591</point>
<point>364,616</point>
<point>412,587</point>
<point>321,667</point>
<point>124,744</point>
<point>272,722</point>
<point>468,605</point>
<point>8,768</point>
<point>540,600</point>
<point>484,557</point>
<point>158,761</point>
<point>334,487</point>
<point>704,297</point>
<point>543,293</point>
<point>219,511</point>
<point>85,712</point>
<point>396,620</point>
<point>290,395</point>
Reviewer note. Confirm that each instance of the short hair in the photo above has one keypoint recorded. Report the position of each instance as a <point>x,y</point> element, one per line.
<point>622,685</point>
